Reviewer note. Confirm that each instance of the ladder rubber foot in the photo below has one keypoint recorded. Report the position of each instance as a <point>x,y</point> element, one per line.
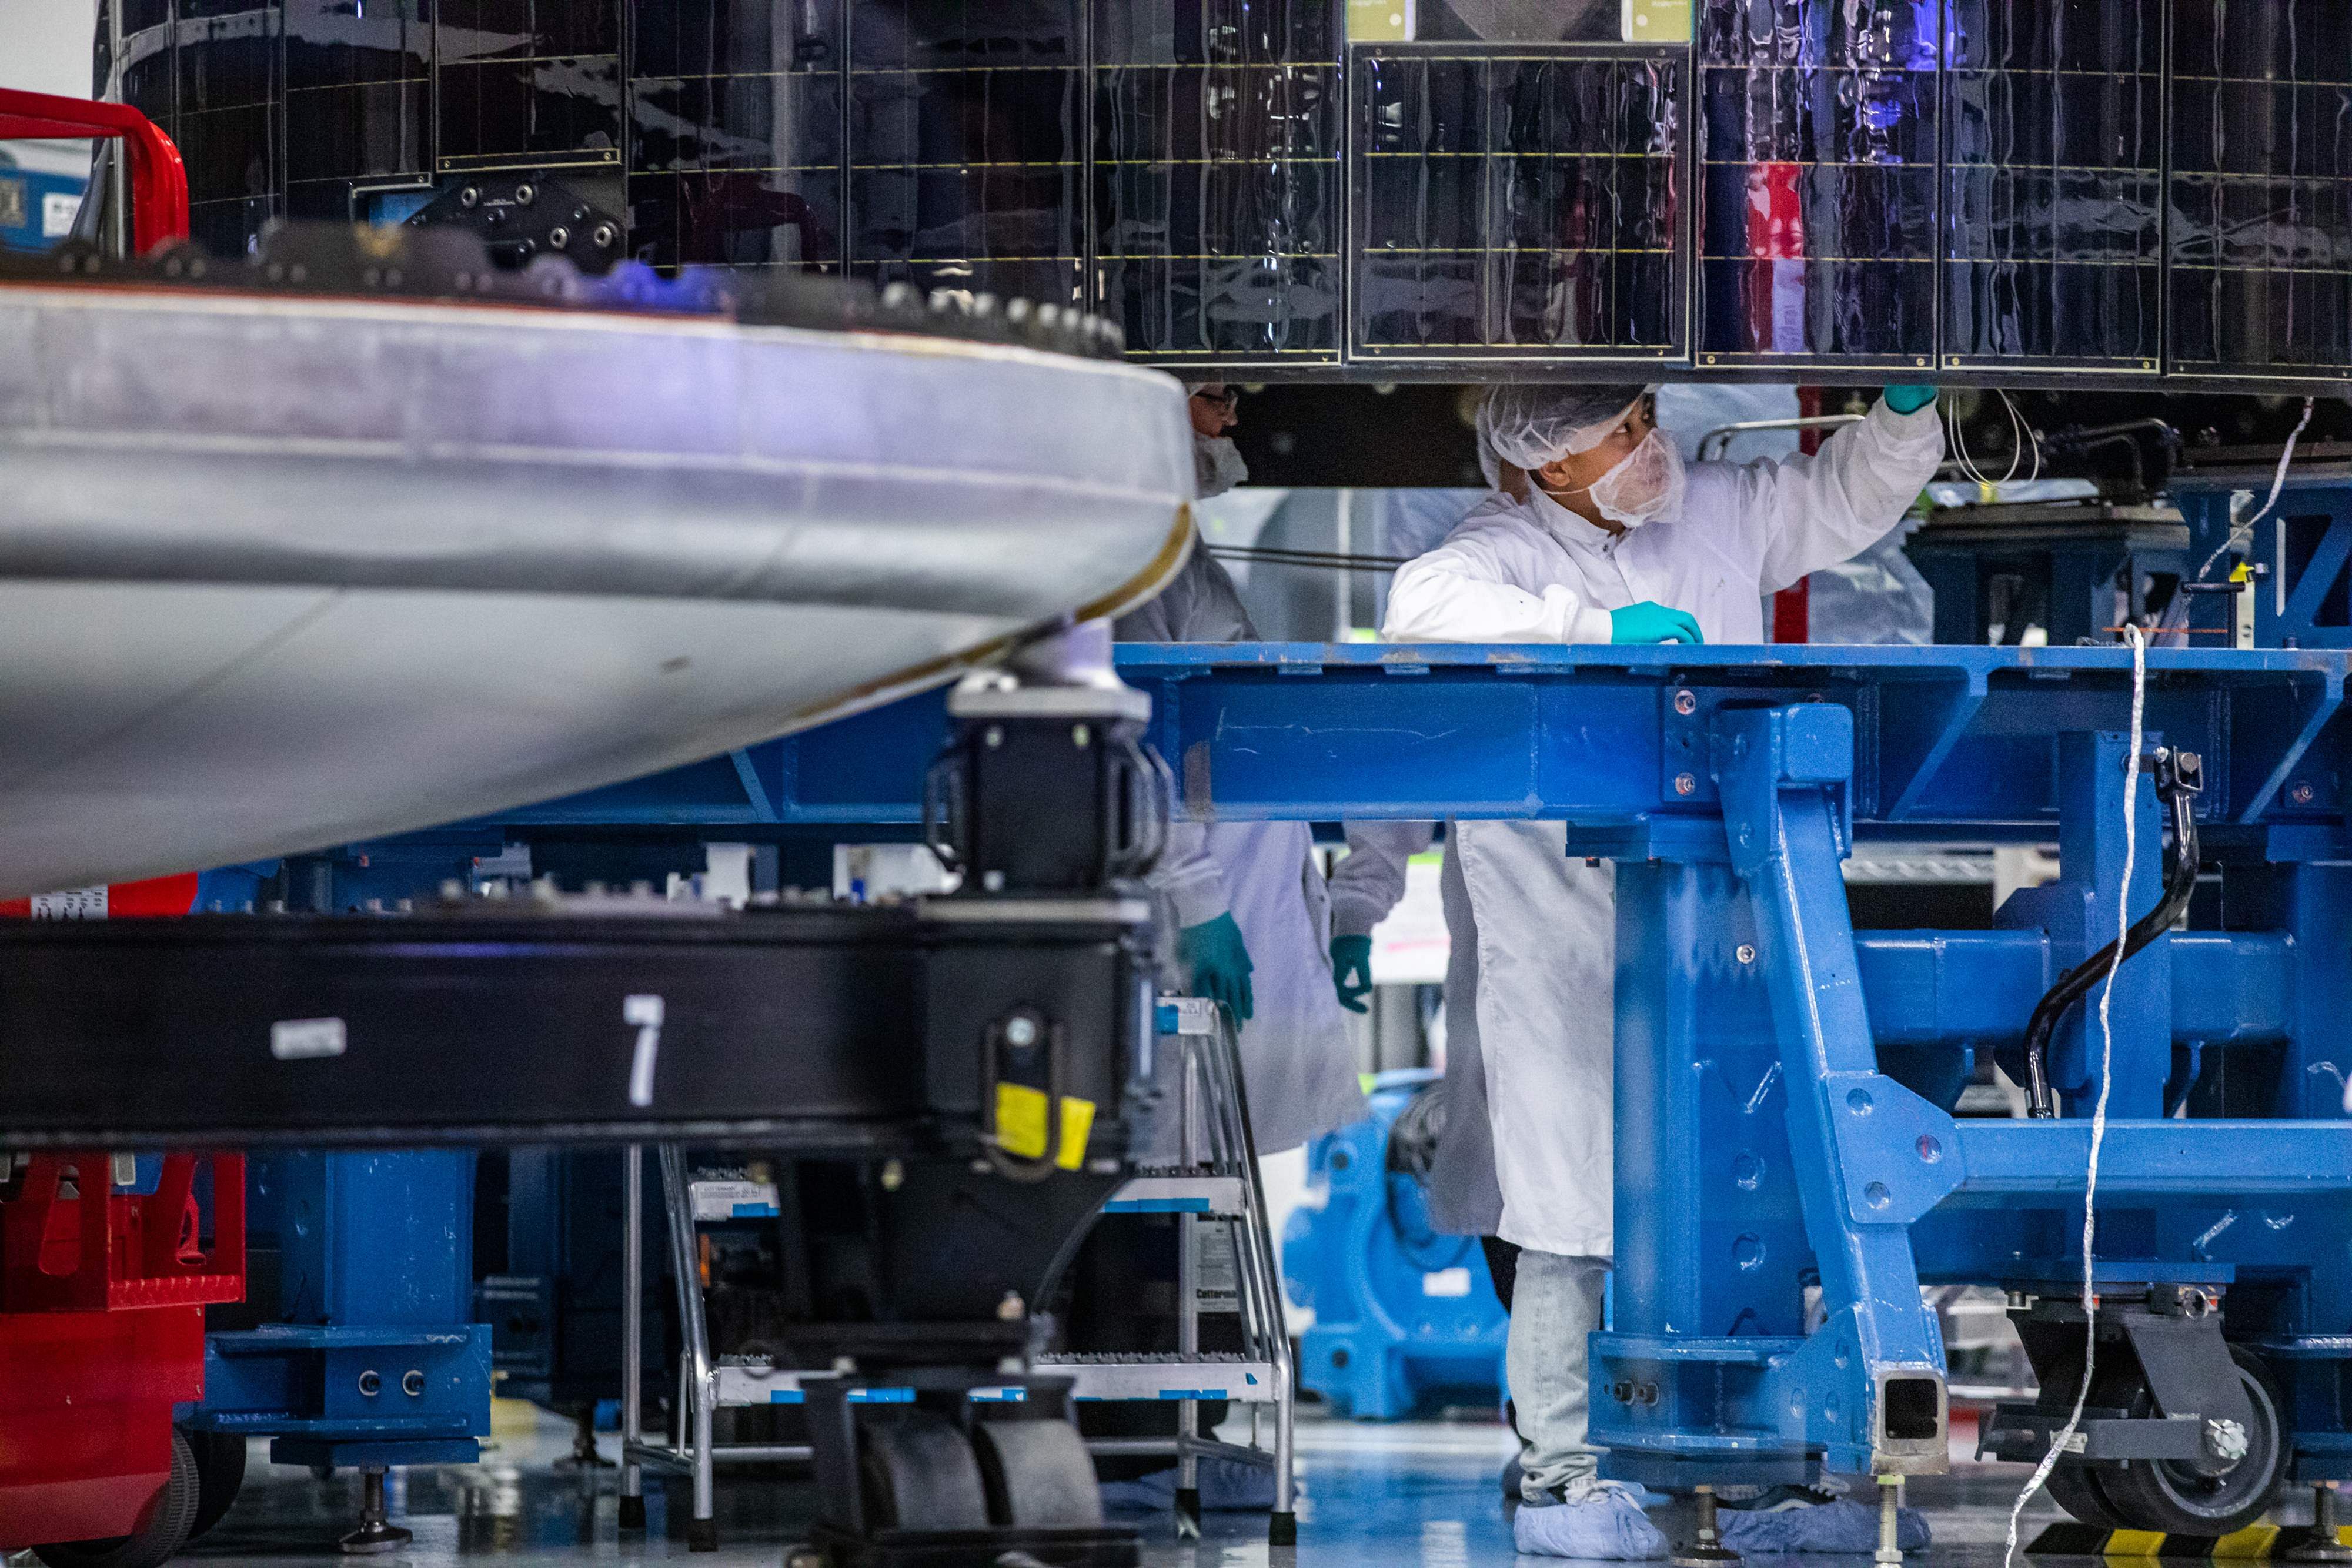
<point>702,1535</point>
<point>633,1514</point>
<point>1282,1530</point>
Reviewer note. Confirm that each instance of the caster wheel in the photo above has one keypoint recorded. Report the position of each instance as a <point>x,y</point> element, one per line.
<point>919,1472</point>
<point>220,1475</point>
<point>2075,1489</point>
<point>158,1543</point>
<point>1037,1473</point>
<point>2174,1498</point>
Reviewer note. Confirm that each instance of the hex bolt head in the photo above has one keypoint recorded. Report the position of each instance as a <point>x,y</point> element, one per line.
<point>526,193</point>
<point>469,197</point>
<point>1686,703</point>
<point>1686,784</point>
<point>1746,952</point>
<point>1021,1032</point>
<point>602,236</point>
<point>2302,793</point>
<point>559,236</point>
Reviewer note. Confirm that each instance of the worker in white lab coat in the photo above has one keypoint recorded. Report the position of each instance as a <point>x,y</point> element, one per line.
<point>1248,899</point>
<point>1614,540</point>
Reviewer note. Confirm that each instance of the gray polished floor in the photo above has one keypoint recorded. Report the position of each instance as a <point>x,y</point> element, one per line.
<point>1421,1495</point>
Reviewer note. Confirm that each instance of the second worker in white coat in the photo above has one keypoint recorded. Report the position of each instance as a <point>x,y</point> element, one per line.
<point>1615,541</point>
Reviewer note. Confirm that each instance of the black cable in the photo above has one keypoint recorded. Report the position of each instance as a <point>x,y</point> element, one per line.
<point>1411,1152</point>
<point>2179,775</point>
<point>1270,554</point>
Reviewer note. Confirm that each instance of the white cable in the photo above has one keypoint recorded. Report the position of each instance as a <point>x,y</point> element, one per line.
<point>2021,434</point>
<point>2099,1112</point>
<point>2278,482</point>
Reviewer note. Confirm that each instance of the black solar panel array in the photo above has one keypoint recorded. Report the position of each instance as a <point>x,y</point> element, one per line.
<point>1516,205</point>
<point>1983,189</point>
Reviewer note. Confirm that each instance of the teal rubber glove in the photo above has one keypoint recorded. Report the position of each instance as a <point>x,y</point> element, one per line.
<point>1909,400</point>
<point>1220,964</point>
<point>1650,622</point>
<point>1352,970</point>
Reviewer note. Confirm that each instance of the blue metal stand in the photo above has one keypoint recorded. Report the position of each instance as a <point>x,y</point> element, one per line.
<point>372,1359</point>
<point>1785,1088</point>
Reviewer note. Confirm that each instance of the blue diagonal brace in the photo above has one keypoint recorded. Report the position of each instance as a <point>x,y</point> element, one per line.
<point>1870,1155</point>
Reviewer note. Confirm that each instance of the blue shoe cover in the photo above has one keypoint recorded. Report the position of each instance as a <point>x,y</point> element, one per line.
<point>1606,1526</point>
<point>1225,1484</point>
<point>1839,1527</point>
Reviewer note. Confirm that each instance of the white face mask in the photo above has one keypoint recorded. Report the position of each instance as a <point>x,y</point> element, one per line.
<point>1217,465</point>
<point>1646,485</point>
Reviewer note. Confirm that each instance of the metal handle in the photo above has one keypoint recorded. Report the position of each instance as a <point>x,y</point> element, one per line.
<point>159,207</point>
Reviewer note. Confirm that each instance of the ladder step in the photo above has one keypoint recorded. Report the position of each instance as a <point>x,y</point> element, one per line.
<point>1218,1196</point>
<point>726,1197</point>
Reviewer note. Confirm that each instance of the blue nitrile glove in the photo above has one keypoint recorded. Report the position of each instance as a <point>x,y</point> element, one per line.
<point>1220,963</point>
<point>1909,400</point>
<point>1650,622</point>
<point>1352,970</point>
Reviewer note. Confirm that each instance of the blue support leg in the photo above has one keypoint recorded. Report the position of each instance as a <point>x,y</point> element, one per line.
<point>1870,1155</point>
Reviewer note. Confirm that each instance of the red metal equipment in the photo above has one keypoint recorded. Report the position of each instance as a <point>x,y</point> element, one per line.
<point>102,1294</point>
<point>159,182</point>
<point>102,1297</point>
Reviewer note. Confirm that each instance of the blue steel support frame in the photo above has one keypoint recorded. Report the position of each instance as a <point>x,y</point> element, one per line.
<point>2305,546</point>
<point>369,1357</point>
<point>1782,1085</point>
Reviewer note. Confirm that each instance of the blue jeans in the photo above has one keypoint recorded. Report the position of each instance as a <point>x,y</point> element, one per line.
<point>1555,1308</point>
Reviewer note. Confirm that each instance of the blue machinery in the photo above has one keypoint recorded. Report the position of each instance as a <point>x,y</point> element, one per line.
<point>1404,1315</point>
<point>1785,1086</point>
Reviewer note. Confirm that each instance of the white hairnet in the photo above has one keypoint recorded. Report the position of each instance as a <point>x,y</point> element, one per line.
<point>1528,424</point>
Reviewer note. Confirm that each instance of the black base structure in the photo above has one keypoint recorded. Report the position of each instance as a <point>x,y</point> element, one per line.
<point>971,1071</point>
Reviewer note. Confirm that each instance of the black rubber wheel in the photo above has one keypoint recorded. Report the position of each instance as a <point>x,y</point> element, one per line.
<point>2075,1489</point>
<point>919,1472</point>
<point>1037,1473</point>
<point>2175,1498</point>
<point>166,1531</point>
<point>220,1475</point>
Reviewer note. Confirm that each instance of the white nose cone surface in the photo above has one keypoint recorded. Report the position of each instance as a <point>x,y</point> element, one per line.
<point>276,573</point>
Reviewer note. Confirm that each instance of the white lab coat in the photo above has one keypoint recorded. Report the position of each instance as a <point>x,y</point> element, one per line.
<point>1298,1064</point>
<point>1540,928</point>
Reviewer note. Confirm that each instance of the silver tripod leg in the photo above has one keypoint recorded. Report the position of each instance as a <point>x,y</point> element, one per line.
<point>698,1378</point>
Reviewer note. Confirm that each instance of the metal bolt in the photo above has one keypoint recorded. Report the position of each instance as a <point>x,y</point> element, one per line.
<point>894,1175</point>
<point>412,1383</point>
<point>370,1385</point>
<point>1686,703</point>
<point>992,880</point>
<point>1748,952</point>
<point>2302,794</point>
<point>1080,735</point>
<point>559,236</point>
<point>526,193</point>
<point>1684,784</point>
<point>1011,1309</point>
<point>469,197</point>
<point>1022,1033</point>
<point>2227,1439</point>
<point>602,236</point>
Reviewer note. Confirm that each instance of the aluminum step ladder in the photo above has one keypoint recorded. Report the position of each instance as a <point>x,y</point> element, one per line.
<point>1214,1184</point>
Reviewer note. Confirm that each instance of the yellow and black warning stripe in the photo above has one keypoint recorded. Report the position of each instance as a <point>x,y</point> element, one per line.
<point>2255,1543</point>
